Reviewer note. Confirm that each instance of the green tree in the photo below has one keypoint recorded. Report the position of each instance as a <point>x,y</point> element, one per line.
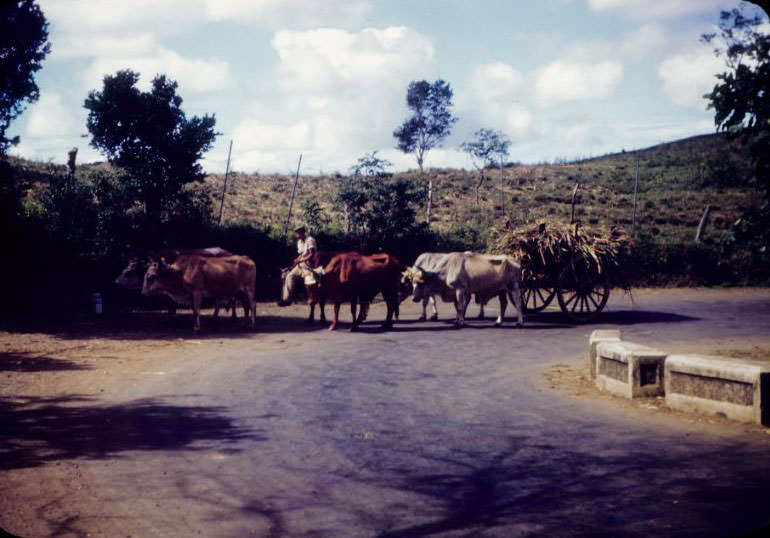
<point>23,47</point>
<point>486,150</point>
<point>741,101</point>
<point>430,123</point>
<point>148,135</point>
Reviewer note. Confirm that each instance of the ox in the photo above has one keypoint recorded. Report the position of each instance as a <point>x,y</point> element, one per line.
<point>428,261</point>
<point>352,277</point>
<point>465,273</point>
<point>192,278</point>
<point>132,276</point>
<point>292,276</point>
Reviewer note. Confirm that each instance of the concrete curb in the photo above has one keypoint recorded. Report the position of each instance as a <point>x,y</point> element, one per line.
<point>738,389</point>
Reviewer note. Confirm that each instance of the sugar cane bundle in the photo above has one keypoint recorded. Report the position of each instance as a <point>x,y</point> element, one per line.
<point>546,246</point>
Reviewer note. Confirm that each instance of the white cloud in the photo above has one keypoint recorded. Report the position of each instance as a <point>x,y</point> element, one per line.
<point>289,13</point>
<point>49,118</point>
<point>687,77</point>
<point>563,81</point>
<point>193,74</point>
<point>346,90</point>
<point>173,17</point>
<point>659,9</point>
<point>494,97</point>
<point>49,129</point>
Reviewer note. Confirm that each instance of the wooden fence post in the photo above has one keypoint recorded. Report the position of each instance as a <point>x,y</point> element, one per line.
<point>291,200</point>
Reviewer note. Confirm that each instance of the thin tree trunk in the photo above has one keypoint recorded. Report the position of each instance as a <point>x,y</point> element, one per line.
<point>703,223</point>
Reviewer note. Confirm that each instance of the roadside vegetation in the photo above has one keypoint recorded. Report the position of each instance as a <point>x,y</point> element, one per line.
<point>695,209</point>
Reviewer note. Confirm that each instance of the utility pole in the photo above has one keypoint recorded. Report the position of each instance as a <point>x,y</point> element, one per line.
<point>502,192</point>
<point>291,200</point>
<point>636,189</point>
<point>224,187</point>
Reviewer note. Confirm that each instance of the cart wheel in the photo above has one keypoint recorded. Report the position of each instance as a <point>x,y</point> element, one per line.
<point>582,291</point>
<point>535,297</point>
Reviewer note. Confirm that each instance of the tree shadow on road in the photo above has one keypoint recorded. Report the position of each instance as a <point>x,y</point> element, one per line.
<point>39,430</point>
<point>539,489</point>
<point>22,362</point>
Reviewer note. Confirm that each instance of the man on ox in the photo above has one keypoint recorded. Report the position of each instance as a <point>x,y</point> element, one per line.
<point>307,251</point>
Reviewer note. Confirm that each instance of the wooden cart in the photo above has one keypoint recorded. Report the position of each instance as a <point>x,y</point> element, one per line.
<point>568,266</point>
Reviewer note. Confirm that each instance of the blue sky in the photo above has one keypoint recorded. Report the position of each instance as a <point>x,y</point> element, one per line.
<point>327,78</point>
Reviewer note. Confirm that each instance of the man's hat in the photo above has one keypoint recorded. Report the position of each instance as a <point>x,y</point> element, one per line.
<point>299,229</point>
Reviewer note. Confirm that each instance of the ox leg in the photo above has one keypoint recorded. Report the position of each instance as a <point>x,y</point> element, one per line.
<point>481,307</point>
<point>336,316</point>
<point>433,317</point>
<point>391,302</point>
<point>196,306</point>
<point>311,315</point>
<point>321,306</point>
<point>356,319</point>
<point>515,295</point>
<point>461,303</point>
<point>503,306</point>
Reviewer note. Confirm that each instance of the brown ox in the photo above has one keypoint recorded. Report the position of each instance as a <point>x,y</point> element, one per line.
<point>190,279</point>
<point>355,277</point>
<point>292,278</point>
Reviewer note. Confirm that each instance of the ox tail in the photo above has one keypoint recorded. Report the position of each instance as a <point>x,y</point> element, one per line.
<point>346,268</point>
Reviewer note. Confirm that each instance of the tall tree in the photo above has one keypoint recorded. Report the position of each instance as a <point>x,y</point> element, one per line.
<point>487,149</point>
<point>430,123</point>
<point>741,101</point>
<point>148,135</point>
<point>23,46</point>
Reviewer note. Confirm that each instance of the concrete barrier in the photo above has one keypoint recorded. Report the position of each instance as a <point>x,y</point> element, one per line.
<point>598,336</point>
<point>738,389</point>
<point>629,370</point>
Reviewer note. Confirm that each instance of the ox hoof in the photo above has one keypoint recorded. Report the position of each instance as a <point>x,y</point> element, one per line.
<point>421,318</point>
<point>434,317</point>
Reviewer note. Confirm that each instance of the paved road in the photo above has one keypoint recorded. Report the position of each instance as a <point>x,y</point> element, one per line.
<point>419,432</point>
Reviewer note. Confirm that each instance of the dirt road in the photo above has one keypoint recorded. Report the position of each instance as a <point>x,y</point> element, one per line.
<point>132,426</point>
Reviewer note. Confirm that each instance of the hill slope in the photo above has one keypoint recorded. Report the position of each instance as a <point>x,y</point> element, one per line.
<point>675,182</point>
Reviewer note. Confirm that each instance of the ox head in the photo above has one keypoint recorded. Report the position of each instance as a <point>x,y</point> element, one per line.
<point>157,270</point>
<point>131,277</point>
<point>289,277</point>
<point>421,280</point>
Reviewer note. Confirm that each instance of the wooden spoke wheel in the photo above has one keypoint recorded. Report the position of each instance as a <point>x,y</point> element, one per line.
<point>536,294</point>
<point>582,291</point>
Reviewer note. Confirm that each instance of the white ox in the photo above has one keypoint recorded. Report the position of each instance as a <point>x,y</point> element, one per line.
<point>428,261</point>
<point>466,273</point>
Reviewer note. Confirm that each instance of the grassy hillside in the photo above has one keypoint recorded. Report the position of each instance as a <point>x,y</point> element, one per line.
<point>675,182</point>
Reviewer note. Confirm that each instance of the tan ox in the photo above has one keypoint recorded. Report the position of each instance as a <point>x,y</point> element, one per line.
<point>466,273</point>
<point>132,276</point>
<point>428,261</point>
<point>190,279</point>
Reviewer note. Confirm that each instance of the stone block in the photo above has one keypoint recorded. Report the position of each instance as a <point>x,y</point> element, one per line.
<point>599,335</point>
<point>738,389</point>
<point>629,370</point>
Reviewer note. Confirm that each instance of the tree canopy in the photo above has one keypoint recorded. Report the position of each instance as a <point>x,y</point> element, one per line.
<point>431,120</point>
<point>148,135</point>
<point>741,101</point>
<point>23,47</point>
<point>486,150</point>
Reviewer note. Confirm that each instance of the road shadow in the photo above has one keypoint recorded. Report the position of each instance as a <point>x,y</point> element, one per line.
<point>159,326</point>
<point>38,430</point>
<point>537,489</point>
<point>20,362</point>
